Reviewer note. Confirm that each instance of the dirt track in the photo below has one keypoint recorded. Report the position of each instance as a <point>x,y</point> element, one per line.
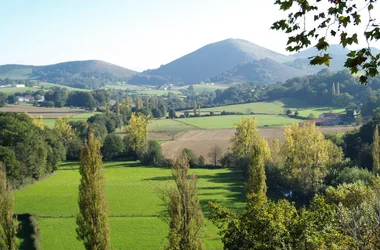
<point>200,141</point>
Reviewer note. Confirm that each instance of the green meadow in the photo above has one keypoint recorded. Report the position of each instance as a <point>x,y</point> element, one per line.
<point>169,125</point>
<point>135,206</point>
<point>199,88</point>
<point>218,122</point>
<point>43,86</point>
<point>272,107</point>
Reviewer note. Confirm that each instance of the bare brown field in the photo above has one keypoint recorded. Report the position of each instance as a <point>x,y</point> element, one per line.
<point>200,141</point>
<point>44,112</point>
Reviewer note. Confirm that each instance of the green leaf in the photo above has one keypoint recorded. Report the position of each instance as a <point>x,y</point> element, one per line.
<point>319,60</point>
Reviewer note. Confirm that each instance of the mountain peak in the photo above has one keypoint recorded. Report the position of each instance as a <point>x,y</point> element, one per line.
<point>211,60</point>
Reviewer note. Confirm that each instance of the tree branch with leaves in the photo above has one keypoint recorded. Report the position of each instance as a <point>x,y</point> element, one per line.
<point>337,20</point>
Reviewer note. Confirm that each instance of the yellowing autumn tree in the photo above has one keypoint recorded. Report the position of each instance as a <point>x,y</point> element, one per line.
<point>63,127</point>
<point>39,121</point>
<point>307,157</point>
<point>137,133</point>
<point>7,223</point>
<point>246,137</point>
<point>92,220</point>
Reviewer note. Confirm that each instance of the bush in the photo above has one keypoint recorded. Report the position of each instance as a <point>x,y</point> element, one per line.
<point>343,173</point>
<point>73,149</point>
<point>153,154</point>
<point>113,146</point>
<point>201,161</point>
<point>193,161</point>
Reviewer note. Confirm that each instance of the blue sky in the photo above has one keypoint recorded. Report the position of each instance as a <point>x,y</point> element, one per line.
<point>137,34</point>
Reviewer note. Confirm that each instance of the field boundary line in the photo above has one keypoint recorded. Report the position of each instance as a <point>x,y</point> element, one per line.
<point>191,125</point>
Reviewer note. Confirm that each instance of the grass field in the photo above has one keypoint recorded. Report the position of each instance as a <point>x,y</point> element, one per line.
<point>140,90</point>
<point>46,85</point>
<point>43,85</point>
<point>76,117</point>
<point>206,87</point>
<point>134,204</point>
<point>50,114</point>
<point>123,87</point>
<point>219,122</point>
<point>157,92</point>
<point>169,125</point>
<point>318,111</point>
<point>273,107</point>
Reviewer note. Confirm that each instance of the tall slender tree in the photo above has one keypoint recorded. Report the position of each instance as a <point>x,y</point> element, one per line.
<point>376,151</point>
<point>92,220</point>
<point>139,103</point>
<point>117,106</point>
<point>7,223</point>
<point>184,210</point>
<point>117,111</point>
<point>256,174</point>
<point>195,105</point>
<point>146,101</point>
<point>137,133</point>
<point>333,89</point>
<point>337,88</point>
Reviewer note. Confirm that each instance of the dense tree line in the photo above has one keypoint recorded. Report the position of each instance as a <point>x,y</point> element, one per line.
<point>27,150</point>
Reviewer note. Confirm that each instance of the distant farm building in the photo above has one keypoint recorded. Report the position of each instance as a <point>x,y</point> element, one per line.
<point>327,119</point>
<point>19,85</point>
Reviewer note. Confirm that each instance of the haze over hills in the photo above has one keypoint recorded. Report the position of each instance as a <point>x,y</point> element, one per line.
<point>226,61</point>
<point>209,61</point>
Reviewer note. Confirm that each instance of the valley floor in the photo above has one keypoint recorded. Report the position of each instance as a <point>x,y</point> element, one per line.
<point>135,206</point>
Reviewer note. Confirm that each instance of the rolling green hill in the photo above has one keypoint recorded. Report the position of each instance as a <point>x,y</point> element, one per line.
<point>264,71</point>
<point>91,74</point>
<point>17,71</point>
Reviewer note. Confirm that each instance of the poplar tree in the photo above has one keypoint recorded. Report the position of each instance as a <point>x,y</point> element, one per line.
<point>138,102</point>
<point>195,105</point>
<point>117,108</point>
<point>146,101</point>
<point>92,220</point>
<point>184,210</point>
<point>153,101</point>
<point>137,133</point>
<point>246,137</point>
<point>337,89</point>
<point>333,89</point>
<point>117,111</point>
<point>7,223</point>
<point>256,185</point>
<point>376,151</point>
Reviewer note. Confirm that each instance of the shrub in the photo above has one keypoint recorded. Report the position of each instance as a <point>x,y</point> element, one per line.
<point>153,154</point>
<point>113,146</point>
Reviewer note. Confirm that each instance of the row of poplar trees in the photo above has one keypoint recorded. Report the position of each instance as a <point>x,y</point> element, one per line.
<point>184,213</point>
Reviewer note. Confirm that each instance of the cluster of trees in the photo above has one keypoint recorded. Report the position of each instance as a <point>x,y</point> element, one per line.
<point>27,149</point>
<point>341,201</point>
<point>330,88</point>
<point>60,97</point>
